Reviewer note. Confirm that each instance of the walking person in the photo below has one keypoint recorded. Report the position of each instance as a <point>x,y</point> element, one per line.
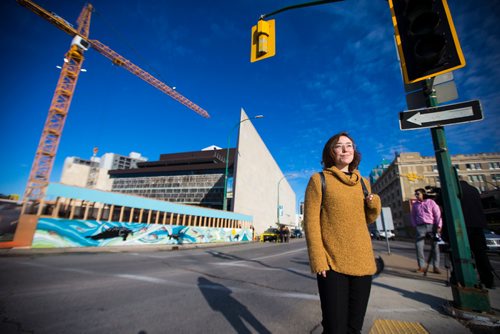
<point>426,218</point>
<point>339,244</point>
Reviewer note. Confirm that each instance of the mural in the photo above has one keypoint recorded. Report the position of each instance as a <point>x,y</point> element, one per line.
<point>56,232</point>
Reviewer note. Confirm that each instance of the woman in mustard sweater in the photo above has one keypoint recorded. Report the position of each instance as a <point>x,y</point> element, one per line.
<point>338,241</point>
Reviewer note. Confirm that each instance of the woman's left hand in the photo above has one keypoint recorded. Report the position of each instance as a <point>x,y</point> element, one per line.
<point>369,198</point>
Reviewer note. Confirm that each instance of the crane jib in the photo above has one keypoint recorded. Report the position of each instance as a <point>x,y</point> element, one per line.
<point>83,42</point>
<point>51,135</point>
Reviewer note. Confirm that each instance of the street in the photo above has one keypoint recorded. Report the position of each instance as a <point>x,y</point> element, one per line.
<point>258,288</point>
<point>248,288</point>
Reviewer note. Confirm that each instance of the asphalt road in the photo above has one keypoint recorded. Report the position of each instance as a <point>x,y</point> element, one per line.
<point>252,288</point>
<point>249,288</point>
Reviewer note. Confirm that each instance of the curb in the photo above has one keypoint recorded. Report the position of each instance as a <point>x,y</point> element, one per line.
<point>23,251</point>
<point>483,322</point>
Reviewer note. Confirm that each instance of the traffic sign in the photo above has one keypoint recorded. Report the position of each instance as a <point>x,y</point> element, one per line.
<point>444,115</point>
<point>445,92</point>
<point>438,80</point>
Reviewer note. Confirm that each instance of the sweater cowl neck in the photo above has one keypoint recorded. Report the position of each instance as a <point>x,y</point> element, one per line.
<point>349,179</point>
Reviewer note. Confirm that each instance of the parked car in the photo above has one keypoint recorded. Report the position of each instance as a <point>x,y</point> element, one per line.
<point>271,234</point>
<point>492,241</point>
<point>297,233</point>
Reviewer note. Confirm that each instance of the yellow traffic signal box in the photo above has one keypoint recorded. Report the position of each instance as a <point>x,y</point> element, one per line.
<point>263,40</point>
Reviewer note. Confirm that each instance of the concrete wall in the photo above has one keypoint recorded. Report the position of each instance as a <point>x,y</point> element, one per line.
<point>74,174</point>
<point>103,180</point>
<point>256,181</point>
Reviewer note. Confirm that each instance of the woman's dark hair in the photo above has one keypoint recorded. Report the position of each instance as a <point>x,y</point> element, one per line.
<point>329,154</point>
<point>422,191</point>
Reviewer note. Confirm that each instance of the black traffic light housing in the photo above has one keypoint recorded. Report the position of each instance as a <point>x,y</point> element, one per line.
<point>426,38</point>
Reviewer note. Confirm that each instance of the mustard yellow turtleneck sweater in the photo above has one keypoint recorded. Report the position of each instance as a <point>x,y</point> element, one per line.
<point>337,236</point>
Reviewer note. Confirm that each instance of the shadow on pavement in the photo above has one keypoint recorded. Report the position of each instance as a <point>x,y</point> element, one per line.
<point>230,257</point>
<point>405,273</point>
<point>434,302</point>
<point>219,298</point>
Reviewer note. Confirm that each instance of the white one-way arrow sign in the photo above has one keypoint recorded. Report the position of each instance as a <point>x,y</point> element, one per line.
<point>438,116</point>
<point>420,119</point>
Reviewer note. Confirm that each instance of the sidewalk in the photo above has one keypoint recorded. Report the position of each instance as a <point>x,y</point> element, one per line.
<point>401,294</point>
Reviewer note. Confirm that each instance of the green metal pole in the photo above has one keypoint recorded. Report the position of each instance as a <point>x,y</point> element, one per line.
<point>467,294</point>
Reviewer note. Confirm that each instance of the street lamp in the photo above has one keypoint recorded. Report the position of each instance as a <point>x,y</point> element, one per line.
<point>224,203</point>
<point>278,205</point>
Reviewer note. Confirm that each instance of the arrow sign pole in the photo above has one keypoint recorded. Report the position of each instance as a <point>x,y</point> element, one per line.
<point>466,290</point>
<point>438,116</point>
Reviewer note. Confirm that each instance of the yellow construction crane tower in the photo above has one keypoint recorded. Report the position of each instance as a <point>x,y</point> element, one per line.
<point>54,124</point>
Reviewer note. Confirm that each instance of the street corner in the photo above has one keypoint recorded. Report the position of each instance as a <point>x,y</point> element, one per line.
<point>477,322</point>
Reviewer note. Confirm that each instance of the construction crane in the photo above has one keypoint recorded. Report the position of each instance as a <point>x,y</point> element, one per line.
<point>54,124</point>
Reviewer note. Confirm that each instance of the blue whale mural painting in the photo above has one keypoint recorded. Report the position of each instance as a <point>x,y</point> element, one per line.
<point>56,232</point>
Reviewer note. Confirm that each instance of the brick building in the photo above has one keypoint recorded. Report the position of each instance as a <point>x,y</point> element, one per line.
<point>410,171</point>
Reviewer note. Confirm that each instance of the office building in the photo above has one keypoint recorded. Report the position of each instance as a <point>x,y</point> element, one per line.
<point>256,185</point>
<point>93,173</point>
<point>195,178</point>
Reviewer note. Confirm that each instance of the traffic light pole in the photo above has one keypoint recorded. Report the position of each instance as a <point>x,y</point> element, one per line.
<point>263,41</point>
<point>467,294</point>
<point>302,5</point>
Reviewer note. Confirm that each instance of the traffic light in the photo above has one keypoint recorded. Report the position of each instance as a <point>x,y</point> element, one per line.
<point>263,40</point>
<point>426,38</point>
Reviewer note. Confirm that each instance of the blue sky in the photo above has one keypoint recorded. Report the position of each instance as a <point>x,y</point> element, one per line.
<point>335,70</point>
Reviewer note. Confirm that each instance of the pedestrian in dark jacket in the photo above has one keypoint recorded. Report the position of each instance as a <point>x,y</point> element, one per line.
<point>475,223</point>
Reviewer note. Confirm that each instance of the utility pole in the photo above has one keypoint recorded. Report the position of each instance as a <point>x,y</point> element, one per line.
<point>428,46</point>
<point>466,291</point>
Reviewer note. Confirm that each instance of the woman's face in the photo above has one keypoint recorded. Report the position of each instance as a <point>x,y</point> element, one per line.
<point>419,195</point>
<point>343,152</point>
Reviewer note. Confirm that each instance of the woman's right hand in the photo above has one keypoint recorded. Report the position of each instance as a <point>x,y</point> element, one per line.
<point>322,273</point>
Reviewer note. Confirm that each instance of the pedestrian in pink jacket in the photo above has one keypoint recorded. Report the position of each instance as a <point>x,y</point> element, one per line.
<point>426,218</point>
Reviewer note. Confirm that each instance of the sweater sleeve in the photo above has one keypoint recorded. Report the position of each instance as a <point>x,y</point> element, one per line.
<point>312,226</point>
<point>372,208</point>
<point>414,215</point>
<point>436,213</point>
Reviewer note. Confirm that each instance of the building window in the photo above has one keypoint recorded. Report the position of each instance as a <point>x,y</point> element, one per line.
<point>477,178</point>
<point>494,165</point>
<point>434,168</point>
<point>495,177</point>
<point>473,166</point>
<point>457,167</point>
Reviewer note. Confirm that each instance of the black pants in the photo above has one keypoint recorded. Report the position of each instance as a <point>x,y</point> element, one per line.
<point>344,300</point>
